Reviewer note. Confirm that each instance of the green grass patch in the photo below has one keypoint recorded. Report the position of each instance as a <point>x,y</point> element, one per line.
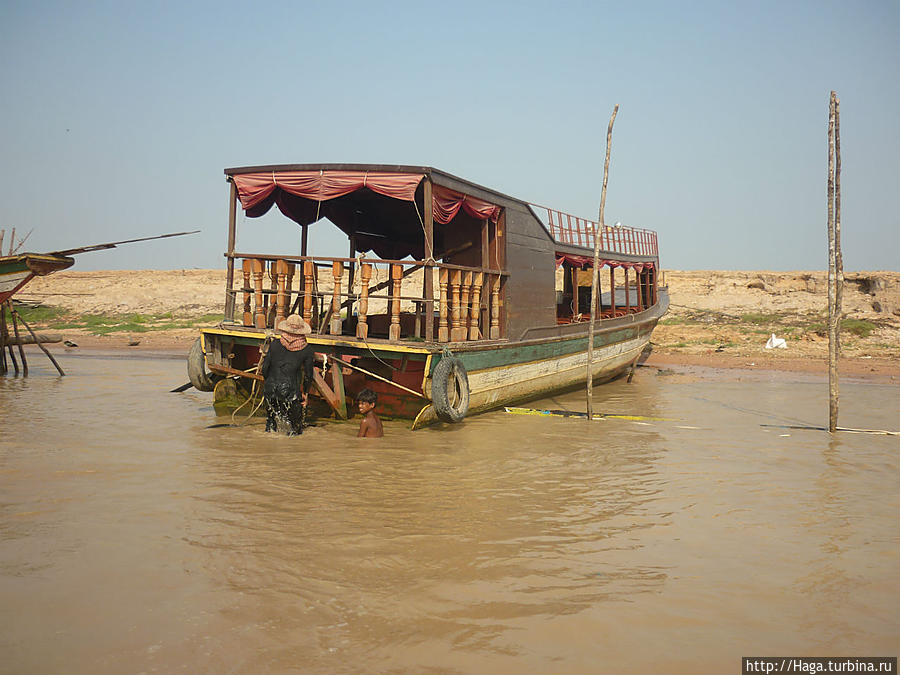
<point>817,327</point>
<point>673,321</point>
<point>39,314</point>
<point>758,319</point>
<point>53,318</point>
<point>858,327</point>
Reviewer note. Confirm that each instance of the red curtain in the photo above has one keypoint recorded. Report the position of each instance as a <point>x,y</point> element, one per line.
<point>254,188</point>
<point>583,262</point>
<point>446,204</point>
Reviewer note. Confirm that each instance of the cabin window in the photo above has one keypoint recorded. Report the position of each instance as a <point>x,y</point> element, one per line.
<point>573,293</point>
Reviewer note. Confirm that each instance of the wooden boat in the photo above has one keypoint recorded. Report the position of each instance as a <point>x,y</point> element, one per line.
<point>454,298</point>
<point>18,270</point>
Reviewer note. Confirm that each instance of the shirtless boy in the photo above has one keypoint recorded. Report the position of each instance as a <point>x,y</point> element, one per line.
<point>370,425</point>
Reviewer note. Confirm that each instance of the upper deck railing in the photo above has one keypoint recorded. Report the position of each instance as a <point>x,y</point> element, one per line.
<point>369,297</point>
<point>568,229</point>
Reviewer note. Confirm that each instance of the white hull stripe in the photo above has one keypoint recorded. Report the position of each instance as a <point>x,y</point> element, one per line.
<point>9,281</point>
<point>557,367</point>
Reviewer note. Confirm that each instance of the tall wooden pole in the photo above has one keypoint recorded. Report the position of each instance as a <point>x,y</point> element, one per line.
<point>229,269</point>
<point>835,259</point>
<point>427,273</point>
<point>595,276</point>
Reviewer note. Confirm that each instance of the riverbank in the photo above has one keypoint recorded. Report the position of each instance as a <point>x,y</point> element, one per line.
<point>717,319</point>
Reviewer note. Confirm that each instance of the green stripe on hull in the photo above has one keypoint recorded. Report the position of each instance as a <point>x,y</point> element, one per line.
<point>555,348</point>
<point>12,267</point>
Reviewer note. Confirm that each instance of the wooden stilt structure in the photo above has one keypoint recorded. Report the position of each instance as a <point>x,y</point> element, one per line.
<point>3,365</point>
<point>15,324</point>
<point>595,274</point>
<point>5,341</point>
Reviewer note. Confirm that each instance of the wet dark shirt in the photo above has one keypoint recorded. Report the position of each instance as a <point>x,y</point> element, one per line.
<point>286,371</point>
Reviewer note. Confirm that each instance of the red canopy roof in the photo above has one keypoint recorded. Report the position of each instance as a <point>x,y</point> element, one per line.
<point>257,191</point>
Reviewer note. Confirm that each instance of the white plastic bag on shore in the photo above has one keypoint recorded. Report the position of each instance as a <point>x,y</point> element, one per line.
<point>776,343</point>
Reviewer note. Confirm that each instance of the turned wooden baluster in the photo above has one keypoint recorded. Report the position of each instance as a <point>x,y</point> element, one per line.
<point>457,332</point>
<point>270,299</point>
<point>465,313</point>
<point>281,277</point>
<point>362,326</point>
<point>288,287</point>
<point>443,331</point>
<point>337,271</point>
<point>259,271</point>
<point>474,323</point>
<point>308,270</point>
<point>396,276</point>
<point>495,308</point>
<point>247,267</point>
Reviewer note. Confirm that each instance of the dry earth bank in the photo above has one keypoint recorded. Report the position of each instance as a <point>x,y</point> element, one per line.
<point>716,317</point>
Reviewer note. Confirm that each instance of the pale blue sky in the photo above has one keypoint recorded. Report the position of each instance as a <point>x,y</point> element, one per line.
<point>119,117</point>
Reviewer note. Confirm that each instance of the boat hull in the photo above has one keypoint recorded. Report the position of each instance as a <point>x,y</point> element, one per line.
<point>499,373</point>
<point>559,366</point>
<point>18,270</point>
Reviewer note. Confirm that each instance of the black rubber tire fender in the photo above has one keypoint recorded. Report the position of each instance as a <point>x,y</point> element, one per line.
<point>450,390</point>
<point>202,379</point>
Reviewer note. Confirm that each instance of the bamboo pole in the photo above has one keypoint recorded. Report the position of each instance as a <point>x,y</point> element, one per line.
<point>835,278</point>
<point>595,276</point>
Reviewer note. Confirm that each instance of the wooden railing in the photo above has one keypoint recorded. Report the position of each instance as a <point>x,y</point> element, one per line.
<point>365,297</point>
<point>569,229</point>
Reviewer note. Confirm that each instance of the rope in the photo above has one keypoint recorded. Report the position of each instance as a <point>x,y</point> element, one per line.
<point>253,388</point>
<point>365,342</point>
<point>430,259</point>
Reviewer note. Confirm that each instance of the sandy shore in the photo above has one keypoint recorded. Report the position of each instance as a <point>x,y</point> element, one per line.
<point>717,319</point>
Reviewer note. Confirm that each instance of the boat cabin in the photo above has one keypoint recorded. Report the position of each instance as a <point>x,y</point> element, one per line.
<point>432,258</point>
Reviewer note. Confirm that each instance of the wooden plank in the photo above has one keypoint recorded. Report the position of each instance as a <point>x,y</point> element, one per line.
<point>337,386</point>
<point>228,370</point>
<point>326,392</point>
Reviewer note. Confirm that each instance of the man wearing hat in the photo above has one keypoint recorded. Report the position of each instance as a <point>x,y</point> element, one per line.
<point>288,371</point>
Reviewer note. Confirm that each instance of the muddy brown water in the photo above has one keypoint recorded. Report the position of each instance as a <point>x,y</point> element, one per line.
<point>135,539</point>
